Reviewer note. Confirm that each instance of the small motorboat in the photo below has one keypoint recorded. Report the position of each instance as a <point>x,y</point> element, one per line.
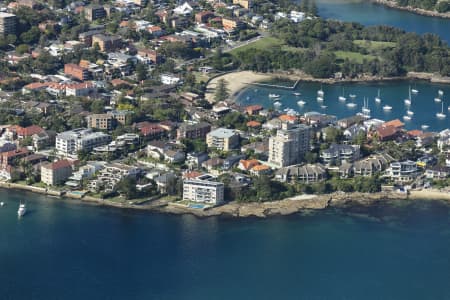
<point>296,94</point>
<point>351,105</point>
<point>342,98</point>
<point>409,112</point>
<point>424,127</point>
<point>274,96</point>
<point>301,103</point>
<point>441,92</point>
<point>323,106</point>
<point>407,118</point>
<point>320,92</point>
<point>407,102</point>
<point>352,96</point>
<point>277,103</point>
<point>320,99</point>
<point>437,100</point>
<point>414,91</point>
<point>387,108</point>
<point>2,203</point>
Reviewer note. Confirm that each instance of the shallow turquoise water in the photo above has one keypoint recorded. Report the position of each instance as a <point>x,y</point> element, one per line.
<point>367,13</point>
<point>392,93</point>
<point>67,251</point>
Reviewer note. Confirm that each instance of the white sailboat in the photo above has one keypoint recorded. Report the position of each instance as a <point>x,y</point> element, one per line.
<point>410,112</point>
<point>441,115</point>
<point>414,91</point>
<point>342,98</point>
<point>407,118</point>
<point>22,210</point>
<point>408,101</point>
<point>320,92</point>
<point>320,99</point>
<point>366,109</point>
<point>277,103</point>
<point>387,108</point>
<point>437,100</point>
<point>301,103</point>
<point>440,92</point>
<point>377,98</point>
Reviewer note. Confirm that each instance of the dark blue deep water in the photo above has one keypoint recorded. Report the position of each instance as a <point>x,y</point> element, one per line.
<point>62,250</point>
<point>367,13</point>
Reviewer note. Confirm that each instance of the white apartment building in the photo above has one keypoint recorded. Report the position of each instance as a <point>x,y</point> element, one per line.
<point>68,143</point>
<point>204,191</point>
<point>405,171</point>
<point>111,175</point>
<point>290,144</point>
<point>222,139</point>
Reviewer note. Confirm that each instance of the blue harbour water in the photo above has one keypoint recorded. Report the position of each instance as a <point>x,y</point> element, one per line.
<point>367,13</point>
<point>67,250</point>
<point>62,250</point>
<point>392,93</point>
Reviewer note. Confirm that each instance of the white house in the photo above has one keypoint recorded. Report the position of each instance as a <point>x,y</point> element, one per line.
<point>169,79</point>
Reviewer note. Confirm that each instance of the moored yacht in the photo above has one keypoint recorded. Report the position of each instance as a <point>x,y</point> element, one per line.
<point>22,210</point>
<point>440,92</point>
<point>437,99</point>
<point>274,96</point>
<point>320,99</point>
<point>320,92</point>
<point>342,98</point>
<point>387,108</point>
<point>441,115</point>
<point>408,101</point>
<point>301,102</point>
<point>407,118</point>
<point>378,98</point>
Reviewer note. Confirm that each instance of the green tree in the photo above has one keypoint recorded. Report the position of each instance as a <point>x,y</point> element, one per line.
<point>222,92</point>
<point>127,187</point>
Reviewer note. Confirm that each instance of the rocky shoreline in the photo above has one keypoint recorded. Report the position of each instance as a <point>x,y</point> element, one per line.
<point>289,206</point>
<point>419,11</point>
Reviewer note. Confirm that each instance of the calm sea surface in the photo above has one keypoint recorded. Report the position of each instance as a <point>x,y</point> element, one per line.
<point>61,250</point>
<point>364,12</point>
<point>423,104</point>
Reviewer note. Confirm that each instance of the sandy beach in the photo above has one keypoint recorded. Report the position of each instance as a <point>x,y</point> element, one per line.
<point>236,82</point>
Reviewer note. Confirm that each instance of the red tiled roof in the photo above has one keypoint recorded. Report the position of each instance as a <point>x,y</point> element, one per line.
<point>59,164</point>
<point>396,123</point>
<point>386,131</point>
<point>253,124</point>
<point>249,163</point>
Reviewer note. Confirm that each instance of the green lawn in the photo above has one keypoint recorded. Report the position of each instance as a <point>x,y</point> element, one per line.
<point>262,43</point>
<point>374,45</point>
<point>355,56</point>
